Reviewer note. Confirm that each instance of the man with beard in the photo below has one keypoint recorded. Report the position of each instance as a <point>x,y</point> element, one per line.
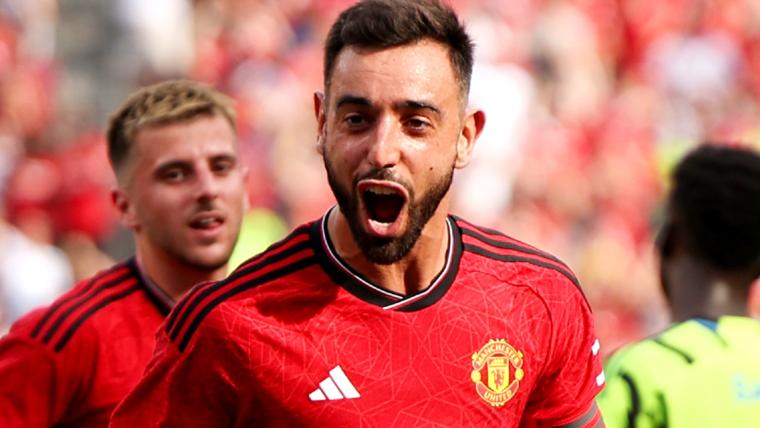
<point>181,191</point>
<point>386,311</point>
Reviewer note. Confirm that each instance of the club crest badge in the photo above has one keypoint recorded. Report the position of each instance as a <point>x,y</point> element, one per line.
<point>497,371</point>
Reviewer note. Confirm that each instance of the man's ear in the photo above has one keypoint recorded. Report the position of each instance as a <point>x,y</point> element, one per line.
<point>665,240</point>
<point>474,122</point>
<point>319,113</point>
<point>127,215</point>
<point>246,192</point>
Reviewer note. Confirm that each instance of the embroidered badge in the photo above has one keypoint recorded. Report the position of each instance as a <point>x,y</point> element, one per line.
<point>497,371</point>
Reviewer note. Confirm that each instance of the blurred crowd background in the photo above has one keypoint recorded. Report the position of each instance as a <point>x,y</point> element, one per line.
<point>588,102</point>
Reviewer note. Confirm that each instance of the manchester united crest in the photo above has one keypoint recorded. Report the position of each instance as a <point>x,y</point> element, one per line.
<point>497,371</point>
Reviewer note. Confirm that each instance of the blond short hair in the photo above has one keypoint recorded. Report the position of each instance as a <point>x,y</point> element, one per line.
<point>161,104</point>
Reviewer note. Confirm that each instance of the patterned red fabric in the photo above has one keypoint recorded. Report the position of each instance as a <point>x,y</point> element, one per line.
<point>69,364</point>
<point>502,336</point>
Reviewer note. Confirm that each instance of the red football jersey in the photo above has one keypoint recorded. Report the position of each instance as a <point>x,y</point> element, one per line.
<point>71,363</point>
<point>502,336</point>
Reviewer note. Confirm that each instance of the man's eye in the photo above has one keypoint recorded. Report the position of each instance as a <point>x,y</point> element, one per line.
<point>173,175</point>
<point>417,124</point>
<point>354,120</point>
<point>222,167</point>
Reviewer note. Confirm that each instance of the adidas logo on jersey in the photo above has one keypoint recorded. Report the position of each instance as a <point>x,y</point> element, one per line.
<point>334,387</point>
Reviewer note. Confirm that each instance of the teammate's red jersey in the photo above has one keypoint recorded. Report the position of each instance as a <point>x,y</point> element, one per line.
<point>69,364</point>
<point>295,337</point>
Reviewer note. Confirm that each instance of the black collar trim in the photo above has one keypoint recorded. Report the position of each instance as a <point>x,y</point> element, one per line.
<point>162,301</point>
<point>361,287</point>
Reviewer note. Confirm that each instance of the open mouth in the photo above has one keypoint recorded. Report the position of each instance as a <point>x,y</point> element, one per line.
<point>383,203</point>
<point>206,222</point>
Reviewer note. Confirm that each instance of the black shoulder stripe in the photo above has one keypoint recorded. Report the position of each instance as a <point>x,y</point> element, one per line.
<point>301,230</point>
<point>506,258</point>
<point>481,228</point>
<point>203,291</point>
<point>175,324</point>
<point>84,298</point>
<point>507,245</point>
<point>82,318</point>
<point>270,276</point>
<point>688,358</point>
<point>190,295</point>
<point>57,305</point>
<point>635,409</point>
<point>295,249</point>
<point>510,245</point>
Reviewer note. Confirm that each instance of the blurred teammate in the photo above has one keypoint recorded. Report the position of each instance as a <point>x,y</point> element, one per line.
<point>704,371</point>
<point>387,311</point>
<point>180,190</point>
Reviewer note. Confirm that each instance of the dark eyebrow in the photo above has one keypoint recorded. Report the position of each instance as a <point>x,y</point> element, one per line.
<point>352,99</point>
<point>417,105</point>
<point>172,163</point>
<point>225,157</point>
<point>399,105</point>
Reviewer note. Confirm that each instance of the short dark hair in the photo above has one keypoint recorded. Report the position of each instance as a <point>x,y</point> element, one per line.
<point>160,104</point>
<point>716,203</point>
<point>390,23</point>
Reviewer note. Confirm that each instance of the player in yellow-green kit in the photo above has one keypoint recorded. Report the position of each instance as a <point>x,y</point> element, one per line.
<point>704,371</point>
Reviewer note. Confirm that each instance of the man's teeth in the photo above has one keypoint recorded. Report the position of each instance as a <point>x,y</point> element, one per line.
<point>382,191</point>
<point>207,222</point>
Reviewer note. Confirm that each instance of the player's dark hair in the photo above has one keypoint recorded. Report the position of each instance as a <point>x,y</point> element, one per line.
<point>160,104</point>
<point>390,23</point>
<point>716,203</point>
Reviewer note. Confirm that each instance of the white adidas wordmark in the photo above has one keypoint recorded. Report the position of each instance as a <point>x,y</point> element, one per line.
<point>334,387</point>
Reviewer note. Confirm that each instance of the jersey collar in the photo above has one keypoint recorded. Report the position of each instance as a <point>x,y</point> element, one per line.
<point>162,301</point>
<point>356,284</point>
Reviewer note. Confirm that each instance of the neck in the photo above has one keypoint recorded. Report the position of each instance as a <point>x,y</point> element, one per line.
<point>407,276</point>
<point>715,298</point>
<point>174,276</point>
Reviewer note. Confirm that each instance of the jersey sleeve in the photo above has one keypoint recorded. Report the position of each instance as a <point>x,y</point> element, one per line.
<point>630,399</point>
<point>192,387</point>
<point>573,375</point>
<point>37,384</point>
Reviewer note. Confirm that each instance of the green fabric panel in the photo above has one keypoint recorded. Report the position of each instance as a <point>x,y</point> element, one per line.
<point>720,387</point>
<point>259,229</point>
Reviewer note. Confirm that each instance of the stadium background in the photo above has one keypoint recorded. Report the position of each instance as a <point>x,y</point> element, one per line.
<point>589,103</point>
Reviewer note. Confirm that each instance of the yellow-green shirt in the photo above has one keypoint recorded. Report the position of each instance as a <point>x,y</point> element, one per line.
<point>698,373</point>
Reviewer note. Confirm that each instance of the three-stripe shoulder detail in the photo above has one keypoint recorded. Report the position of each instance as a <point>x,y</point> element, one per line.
<point>64,317</point>
<point>284,258</point>
<point>498,246</point>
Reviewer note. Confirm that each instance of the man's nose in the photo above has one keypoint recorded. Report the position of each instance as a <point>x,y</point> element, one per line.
<point>385,150</point>
<point>208,184</point>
